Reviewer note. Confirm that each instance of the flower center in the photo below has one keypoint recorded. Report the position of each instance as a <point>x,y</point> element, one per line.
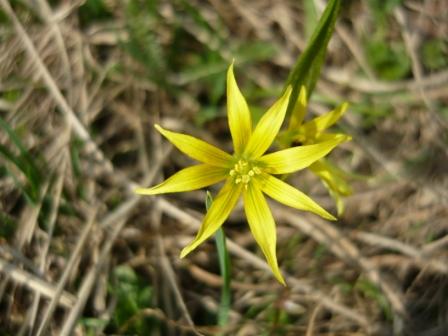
<point>243,171</point>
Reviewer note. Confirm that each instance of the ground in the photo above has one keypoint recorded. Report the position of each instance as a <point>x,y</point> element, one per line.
<point>83,82</point>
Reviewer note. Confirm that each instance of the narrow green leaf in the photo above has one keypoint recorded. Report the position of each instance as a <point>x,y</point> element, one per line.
<point>24,162</point>
<point>224,266</point>
<point>307,68</point>
<point>12,135</point>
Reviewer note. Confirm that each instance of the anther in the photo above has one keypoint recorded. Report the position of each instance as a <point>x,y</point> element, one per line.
<point>243,171</point>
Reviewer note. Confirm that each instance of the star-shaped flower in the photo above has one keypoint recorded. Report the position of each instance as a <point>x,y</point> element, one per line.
<point>313,132</point>
<point>248,172</point>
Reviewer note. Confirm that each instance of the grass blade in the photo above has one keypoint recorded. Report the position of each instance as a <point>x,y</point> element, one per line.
<point>24,162</point>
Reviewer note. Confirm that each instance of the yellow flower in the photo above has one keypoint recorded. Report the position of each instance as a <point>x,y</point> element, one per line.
<point>314,132</point>
<point>249,171</point>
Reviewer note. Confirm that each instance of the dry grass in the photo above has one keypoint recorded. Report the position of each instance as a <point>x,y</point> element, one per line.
<point>82,101</point>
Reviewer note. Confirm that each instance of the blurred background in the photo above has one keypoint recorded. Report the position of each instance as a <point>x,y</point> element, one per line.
<point>83,82</point>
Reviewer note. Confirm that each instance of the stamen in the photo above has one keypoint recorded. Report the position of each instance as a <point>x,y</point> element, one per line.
<point>243,171</point>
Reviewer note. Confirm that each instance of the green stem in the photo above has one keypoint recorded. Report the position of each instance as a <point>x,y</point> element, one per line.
<point>224,266</point>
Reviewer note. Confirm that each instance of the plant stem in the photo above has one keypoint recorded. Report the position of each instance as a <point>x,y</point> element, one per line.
<point>224,266</point>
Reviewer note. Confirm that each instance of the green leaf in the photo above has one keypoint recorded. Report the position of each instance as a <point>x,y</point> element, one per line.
<point>133,295</point>
<point>92,11</point>
<point>435,54</point>
<point>307,68</point>
<point>371,112</point>
<point>8,225</point>
<point>389,60</point>
<point>224,266</point>
<point>92,325</point>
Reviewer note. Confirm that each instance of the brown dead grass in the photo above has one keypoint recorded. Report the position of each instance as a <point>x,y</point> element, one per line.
<point>55,267</point>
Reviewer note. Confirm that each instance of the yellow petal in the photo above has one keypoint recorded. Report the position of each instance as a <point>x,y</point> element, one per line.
<point>319,124</point>
<point>238,114</point>
<point>340,205</point>
<point>322,137</point>
<point>197,149</point>
<point>296,158</point>
<point>298,114</point>
<point>334,179</point>
<point>187,179</point>
<point>268,127</point>
<point>333,176</point>
<point>290,196</point>
<point>262,226</point>
<point>221,207</point>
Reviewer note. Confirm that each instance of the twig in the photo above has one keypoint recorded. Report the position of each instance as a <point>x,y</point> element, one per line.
<point>35,283</point>
<point>168,270</point>
<point>47,16</point>
<point>312,320</point>
<point>435,245</point>
<point>77,252</point>
<point>56,192</point>
<point>28,219</point>
<point>357,83</point>
<point>403,248</point>
<point>89,281</point>
<point>214,280</point>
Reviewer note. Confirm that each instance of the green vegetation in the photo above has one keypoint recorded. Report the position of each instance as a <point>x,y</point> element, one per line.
<point>135,63</point>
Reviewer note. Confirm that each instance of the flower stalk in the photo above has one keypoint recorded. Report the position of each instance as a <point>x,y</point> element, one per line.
<point>225,269</point>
